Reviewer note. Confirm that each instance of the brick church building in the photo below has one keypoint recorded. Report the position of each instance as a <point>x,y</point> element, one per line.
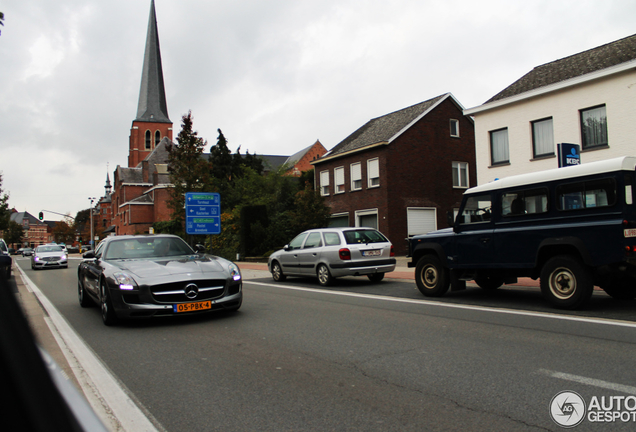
<point>140,191</point>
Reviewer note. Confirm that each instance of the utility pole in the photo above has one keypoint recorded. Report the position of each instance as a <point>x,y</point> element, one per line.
<point>91,210</point>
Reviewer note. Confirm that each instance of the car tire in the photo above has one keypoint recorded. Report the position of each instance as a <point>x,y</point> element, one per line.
<point>621,287</point>
<point>489,282</point>
<point>431,277</point>
<point>8,272</point>
<point>324,276</point>
<point>376,277</point>
<point>106,305</point>
<point>565,282</point>
<point>84,301</point>
<point>277,272</point>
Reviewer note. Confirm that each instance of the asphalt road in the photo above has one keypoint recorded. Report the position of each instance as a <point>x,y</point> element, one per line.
<point>361,357</point>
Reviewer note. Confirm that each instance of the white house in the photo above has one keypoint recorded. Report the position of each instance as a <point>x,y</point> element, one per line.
<point>587,99</point>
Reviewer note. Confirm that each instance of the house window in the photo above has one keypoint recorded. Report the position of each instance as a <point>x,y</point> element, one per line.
<point>373,172</point>
<point>148,141</point>
<point>499,147</point>
<point>454,128</point>
<point>339,179</point>
<point>542,138</point>
<point>324,183</point>
<point>157,138</point>
<point>594,127</point>
<point>356,176</point>
<point>460,174</point>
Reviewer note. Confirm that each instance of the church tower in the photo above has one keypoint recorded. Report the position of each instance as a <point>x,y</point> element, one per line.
<point>152,123</point>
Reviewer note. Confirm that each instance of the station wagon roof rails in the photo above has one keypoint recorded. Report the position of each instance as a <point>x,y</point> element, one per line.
<point>625,163</point>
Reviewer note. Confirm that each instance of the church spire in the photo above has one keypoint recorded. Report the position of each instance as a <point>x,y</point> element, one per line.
<point>152,123</point>
<point>152,95</point>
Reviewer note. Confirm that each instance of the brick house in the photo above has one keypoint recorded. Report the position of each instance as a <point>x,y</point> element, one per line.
<point>585,99</point>
<point>401,172</point>
<point>36,232</point>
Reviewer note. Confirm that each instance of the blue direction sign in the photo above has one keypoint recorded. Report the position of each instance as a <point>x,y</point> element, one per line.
<point>203,212</point>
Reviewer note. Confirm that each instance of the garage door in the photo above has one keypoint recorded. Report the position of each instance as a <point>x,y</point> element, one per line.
<point>421,220</point>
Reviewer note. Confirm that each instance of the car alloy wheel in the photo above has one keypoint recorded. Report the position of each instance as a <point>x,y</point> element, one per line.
<point>108,314</point>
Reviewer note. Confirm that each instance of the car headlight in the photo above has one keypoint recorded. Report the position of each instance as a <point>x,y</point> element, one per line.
<point>235,273</point>
<point>125,281</point>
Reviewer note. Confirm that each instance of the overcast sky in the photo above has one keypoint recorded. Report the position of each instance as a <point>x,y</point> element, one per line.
<point>274,76</point>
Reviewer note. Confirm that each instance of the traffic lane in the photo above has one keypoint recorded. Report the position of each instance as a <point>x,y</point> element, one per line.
<point>322,343</point>
<point>298,360</point>
<point>507,297</point>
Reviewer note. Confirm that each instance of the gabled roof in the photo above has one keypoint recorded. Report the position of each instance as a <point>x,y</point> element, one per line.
<point>130,175</point>
<point>18,217</point>
<point>385,129</point>
<point>152,105</point>
<point>602,57</point>
<point>293,159</point>
<point>272,162</point>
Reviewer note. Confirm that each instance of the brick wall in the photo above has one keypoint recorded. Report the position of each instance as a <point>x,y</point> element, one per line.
<point>415,171</point>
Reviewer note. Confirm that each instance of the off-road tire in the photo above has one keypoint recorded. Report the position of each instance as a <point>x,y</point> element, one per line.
<point>431,277</point>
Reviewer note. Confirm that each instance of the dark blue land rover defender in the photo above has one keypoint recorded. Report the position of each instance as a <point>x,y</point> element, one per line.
<point>572,227</point>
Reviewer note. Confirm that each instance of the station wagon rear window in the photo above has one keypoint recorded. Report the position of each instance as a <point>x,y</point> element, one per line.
<point>364,236</point>
<point>586,194</point>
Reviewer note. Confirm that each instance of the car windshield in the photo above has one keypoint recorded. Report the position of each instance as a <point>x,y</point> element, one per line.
<point>364,236</point>
<point>41,249</point>
<point>146,248</point>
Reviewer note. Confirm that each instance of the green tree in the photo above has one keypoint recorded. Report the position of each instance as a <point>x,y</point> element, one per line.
<point>189,171</point>
<point>5,214</point>
<point>64,232</point>
<point>14,233</point>
<point>228,168</point>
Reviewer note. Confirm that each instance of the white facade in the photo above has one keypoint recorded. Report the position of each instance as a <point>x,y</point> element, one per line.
<point>614,88</point>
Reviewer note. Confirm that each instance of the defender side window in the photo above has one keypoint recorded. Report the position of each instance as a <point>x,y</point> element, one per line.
<point>530,201</point>
<point>587,194</point>
<point>477,209</point>
<point>629,189</point>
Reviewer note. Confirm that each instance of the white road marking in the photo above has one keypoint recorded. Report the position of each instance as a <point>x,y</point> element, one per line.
<point>453,305</point>
<point>102,390</point>
<point>590,381</point>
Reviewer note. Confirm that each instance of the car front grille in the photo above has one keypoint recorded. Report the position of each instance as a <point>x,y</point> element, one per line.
<point>50,259</point>
<point>174,292</point>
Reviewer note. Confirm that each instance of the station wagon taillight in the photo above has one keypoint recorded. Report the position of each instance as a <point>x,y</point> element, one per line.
<point>344,254</point>
<point>392,251</point>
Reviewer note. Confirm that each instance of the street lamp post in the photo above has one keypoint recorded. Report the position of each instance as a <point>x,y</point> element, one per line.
<point>91,210</point>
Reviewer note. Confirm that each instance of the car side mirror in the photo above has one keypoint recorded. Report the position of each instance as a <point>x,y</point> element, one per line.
<point>199,248</point>
<point>450,218</point>
<point>89,255</point>
<point>286,248</point>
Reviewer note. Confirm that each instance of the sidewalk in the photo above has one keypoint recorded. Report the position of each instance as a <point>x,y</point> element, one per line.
<point>402,271</point>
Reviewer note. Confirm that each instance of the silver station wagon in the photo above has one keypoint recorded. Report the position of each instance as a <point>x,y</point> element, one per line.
<point>328,253</point>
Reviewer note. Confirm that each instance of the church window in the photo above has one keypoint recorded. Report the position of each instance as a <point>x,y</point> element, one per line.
<point>157,138</point>
<point>148,140</point>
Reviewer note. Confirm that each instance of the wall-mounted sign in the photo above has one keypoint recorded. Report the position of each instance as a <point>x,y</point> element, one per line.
<point>569,154</point>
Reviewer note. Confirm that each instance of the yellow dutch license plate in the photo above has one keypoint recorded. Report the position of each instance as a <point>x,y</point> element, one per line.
<point>192,307</point>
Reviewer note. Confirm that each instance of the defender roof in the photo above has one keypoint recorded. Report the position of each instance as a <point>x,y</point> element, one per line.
<point>625,163</point>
